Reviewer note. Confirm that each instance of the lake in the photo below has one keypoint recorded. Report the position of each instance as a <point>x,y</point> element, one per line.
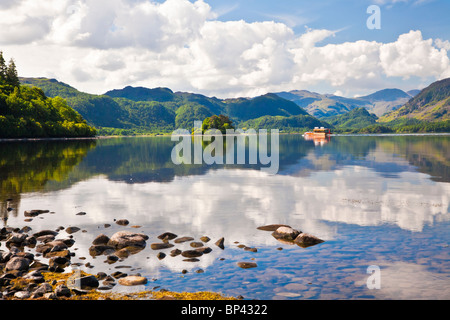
<point>379,202</point>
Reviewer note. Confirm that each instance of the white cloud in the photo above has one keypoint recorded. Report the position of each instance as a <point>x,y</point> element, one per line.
<point>411,55</point>
<point>100,45</point>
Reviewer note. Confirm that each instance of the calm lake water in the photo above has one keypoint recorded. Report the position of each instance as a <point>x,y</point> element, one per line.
<point>376,201</point>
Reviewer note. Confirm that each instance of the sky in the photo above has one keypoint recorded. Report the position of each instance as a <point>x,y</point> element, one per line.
<point>230,48</point>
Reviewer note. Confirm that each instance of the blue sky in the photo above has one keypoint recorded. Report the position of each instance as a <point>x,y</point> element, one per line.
<point>430,16</point>
<point>229,48</point>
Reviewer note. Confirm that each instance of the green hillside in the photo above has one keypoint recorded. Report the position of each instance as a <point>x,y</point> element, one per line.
<point>431,104</point>
<point>356,118</point>
<point>28,112</point>
<point>138,110</point>
<point>297,123</point>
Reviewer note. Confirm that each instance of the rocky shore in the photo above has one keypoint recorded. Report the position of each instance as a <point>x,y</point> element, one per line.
<point>37,265</point>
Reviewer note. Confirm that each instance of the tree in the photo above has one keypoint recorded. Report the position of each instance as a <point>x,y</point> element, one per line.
<point>3,68</point>
<point>220,122</point>
<point>12,76</point>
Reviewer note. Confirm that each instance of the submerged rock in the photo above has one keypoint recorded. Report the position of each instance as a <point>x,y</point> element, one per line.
<point>132,280</point>
<point>183,239</point>
<point>191,253</point>
<point>306,240</point>
<point>100,239</point>
<point>220,242</point>
<point>122,239</point>
<point>285,233</point>
<point>167,236</point>
<point>247,265</point>
<point>71,230</point>
<point>159,246</point>
<point>34,213</point>
<point>122,222</point>
<point>272,227</point>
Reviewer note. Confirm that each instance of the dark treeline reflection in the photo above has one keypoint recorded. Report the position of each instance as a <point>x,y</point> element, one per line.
<point>30,166</point>
<point>52,165</point>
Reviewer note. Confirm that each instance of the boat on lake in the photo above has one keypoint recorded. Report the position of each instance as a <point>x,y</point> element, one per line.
<point>318,133</point>
<point>320,136</point>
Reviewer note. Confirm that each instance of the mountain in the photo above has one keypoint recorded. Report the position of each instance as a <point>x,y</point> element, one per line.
<point>143,94</point>
<point>431,104</point>
<point>413,93</point>
<point>356,118</point>
<point>326,105</point>
<point>319,105</point>
<point>140,110</point>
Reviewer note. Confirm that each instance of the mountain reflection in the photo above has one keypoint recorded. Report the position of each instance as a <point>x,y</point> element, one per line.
<point>53,165</point>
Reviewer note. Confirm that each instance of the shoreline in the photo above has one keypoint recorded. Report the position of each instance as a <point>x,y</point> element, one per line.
<point>168,135</point>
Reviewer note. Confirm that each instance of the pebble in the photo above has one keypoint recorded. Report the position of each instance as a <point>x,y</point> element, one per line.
<point>132,280</point>
<point>247,265</point>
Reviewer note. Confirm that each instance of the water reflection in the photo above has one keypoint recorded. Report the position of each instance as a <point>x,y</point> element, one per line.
<point>31,166</point>
<point>373,199</point>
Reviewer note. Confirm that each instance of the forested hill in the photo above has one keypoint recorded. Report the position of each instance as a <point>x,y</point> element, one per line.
<point>138,110</point>
<point>28,112</point>
<point>431,104</point>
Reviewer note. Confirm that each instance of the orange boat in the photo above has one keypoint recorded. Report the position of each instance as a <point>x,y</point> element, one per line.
<point>318,133</point>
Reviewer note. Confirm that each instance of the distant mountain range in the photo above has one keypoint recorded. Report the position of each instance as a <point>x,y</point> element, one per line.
<point>430,104</point>
<point>134,110</point>
<point>326,105</point>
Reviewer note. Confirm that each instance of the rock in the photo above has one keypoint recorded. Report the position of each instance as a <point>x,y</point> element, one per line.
<point>100,249</point>
<point>16,239</point>
<point>175,252</point>
<point>205,239</point>
<point>34,276</point>
<point>161,255</point>
<point>285,233</point>
<point>272,227</point>
<point>112,258</point>
<point>132,280</point>
<point>247,265</point>
<point>306,240</point>
<point>81,213</point>
<point>183,239</point>
<point>122,253</point>
<point>62,291</point>
<point>251,249</point>
<point>50,296</point>
<point>220,242</point>
<point>45,233</point>
<point>41,290</point>
<point>58,263</point>
<point>17,264</point>
<point>118,275</point>
<point>124,239</point>
<point>100,239</point>
<point>204,250</point>
<point>122,222</point>
<point>45,238</point>
<point>57,253</point>
<point>191,260</point>
<point>34,213</point>
<point>22,295</point>
<point>167,236</point>
<point>83,283</point>
<point>191,253</point>
<point>196,244</point>
<point>71,230</point>
<point>159,246</point>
